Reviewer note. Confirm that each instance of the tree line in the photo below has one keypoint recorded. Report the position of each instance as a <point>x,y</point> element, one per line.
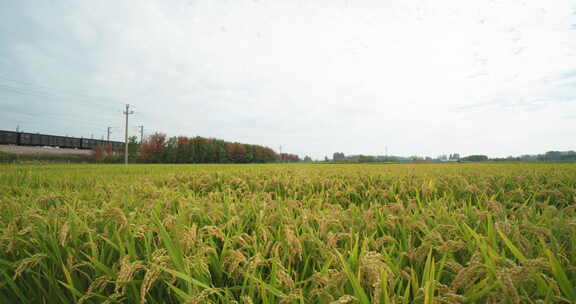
<point>158,148</point>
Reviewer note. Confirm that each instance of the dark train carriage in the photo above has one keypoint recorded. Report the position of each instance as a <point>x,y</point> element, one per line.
<point>8,138</point>
<point>117,145</point>
<point>69,142</point>
<point>51,141</point>
<point>25,139</point>
<point>44,140</point>
<point>65,142</point>
<point>62,141</point>
<point>103,143</point>
<point>58,141</point>
<point>87,143</point>
<point>75,143</point>
<point>84,143</point>
<point>39,140</point>
<point>31,139</point>
<point>35,139</point>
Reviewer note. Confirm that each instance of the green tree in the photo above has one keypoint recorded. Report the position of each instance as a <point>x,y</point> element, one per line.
<point>133,148</point>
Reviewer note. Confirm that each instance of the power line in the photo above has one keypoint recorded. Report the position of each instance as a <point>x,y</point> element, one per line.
<point>44,94</point>
<point>84,105</point>
<point>58,118</point>
<point>51,90</point>
<point>31,89</point>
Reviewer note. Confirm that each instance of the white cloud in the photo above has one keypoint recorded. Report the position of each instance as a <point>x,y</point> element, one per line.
<point>318,76</point>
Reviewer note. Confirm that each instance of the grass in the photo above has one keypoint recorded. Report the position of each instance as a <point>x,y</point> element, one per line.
<point>426,233</point>
<point>45,158</point>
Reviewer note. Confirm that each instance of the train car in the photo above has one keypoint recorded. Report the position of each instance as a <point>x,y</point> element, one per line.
<point>65,142</point>
<point>117,145</point>
<point>25,139</point>
<point>75,143</point>
<point>51,141</point>
<point>87,143</point>
<point>8,138</point>
<point>36,139</point>
<point>71,143</point>
<point>32,139</point>
<point>45,140</point>
<point>84,143</point>
<point>58,141</point>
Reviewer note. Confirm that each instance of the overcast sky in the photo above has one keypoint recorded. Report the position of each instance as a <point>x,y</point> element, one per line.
<point>313,76</point>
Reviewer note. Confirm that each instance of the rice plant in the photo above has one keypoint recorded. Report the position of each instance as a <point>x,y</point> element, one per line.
<point>425,233</point>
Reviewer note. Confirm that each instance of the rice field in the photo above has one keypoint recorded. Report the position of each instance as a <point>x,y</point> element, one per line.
<point>423,233</point>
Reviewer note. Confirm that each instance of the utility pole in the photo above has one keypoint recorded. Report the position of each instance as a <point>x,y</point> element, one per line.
<point>18,128</point>
<point>141,133</point>
<point>109,130</point>
<point>127,113</point>
<point>281,157</point>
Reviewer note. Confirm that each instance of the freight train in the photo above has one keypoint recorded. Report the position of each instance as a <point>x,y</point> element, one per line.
<point>32,139</point>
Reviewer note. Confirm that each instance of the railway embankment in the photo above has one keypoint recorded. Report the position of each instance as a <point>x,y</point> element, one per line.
<point>26,150</point>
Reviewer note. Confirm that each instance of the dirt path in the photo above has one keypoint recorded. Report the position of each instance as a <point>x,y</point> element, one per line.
<point>24,150</point>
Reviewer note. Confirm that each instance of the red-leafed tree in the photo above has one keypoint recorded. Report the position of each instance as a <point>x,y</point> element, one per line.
<point>108,153</point>
<point>99,153</point>
<point>236,152</point>
<point>105,153</point>
<point>285,157</point>
<point>181,149</point>
<point>151,147</point>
